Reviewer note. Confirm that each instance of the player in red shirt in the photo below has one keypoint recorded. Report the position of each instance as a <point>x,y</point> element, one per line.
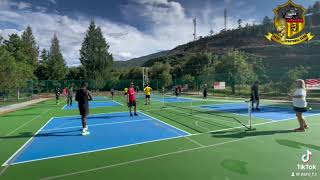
<point>132,99</point>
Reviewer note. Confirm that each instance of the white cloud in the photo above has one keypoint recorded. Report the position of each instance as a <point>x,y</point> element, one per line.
<point>53,1</point>
<point>23,5</point>
<point>168,26</point>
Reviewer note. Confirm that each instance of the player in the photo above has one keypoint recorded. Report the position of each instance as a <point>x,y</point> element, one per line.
<point>70,95</point>
<point>112,93</point>
<point>148,90</point>
<point>176,91</point>
<point>83,97</point>
<point>255,96</point>
<point>205,91</point>
<point>132,99</point>
<point>57,92</point>
<point>65,93</point>
<point>300,104</point>
<point>180,90</point>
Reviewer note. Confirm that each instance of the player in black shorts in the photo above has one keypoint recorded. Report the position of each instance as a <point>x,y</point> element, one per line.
<point>57,93</point>
<point>83,97</point>
<point>255,99</point>
<point>205,91</point>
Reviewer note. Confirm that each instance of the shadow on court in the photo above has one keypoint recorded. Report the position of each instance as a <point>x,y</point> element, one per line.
<point>242,134</point>
<point>19,115</point>
<point>296,145</point>
<point>56,134</point>
<point>235,166</point>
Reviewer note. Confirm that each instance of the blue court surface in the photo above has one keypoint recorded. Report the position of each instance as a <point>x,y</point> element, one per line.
<point>61,136</point>
<point>274,113</point>
<point>99,98</point>
<point>94,104</point>
<point>175,99</point>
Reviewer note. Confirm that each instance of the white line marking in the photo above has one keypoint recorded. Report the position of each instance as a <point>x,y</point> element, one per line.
<point>165,123</point>
<point>197,124</point>
<point>93,125</point>
<point>147,158</point>
<point>63,107</point>
<point>151,118</point>
<point>26,123</point>
<point>117,102</point>
<point>193,141</point>
<point>91,115</point>
<point>72,154</point>
<point>163,155</point>
<point>25,144</point>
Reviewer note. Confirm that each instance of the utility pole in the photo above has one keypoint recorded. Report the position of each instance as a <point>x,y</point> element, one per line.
<point>195,29</point>
<point>225,18</point>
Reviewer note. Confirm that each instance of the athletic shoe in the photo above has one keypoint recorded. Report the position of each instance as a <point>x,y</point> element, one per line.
<point>299,130</point>
<point>135,114</point>
<point>85,132</point>
<point>258,109</point>
<point>130,114</point>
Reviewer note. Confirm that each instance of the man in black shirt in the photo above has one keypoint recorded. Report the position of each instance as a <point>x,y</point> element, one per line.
<point>255,96</point>
<point>83,97</point>
<point>205,91</point>
<point>57,93</point>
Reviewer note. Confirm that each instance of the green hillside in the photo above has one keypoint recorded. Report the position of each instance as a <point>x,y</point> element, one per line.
<point>277,58</point>
<point>139,61</point>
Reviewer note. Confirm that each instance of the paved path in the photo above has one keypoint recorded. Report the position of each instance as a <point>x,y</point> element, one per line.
<point>15,107</point>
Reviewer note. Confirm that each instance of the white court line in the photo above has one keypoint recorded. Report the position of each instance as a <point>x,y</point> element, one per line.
<point>200,147</point>
<point>98,150</point>
<point>164,123</point>
<point>193,141</point>
<point>151,118</point>
<point>165,154</point>
<point>117,102</point>
<point>91,115</point>
<point>23,125</point>
<point>63,107</point>
<point>93,125</point>
<point>147,158</point>
<point>25,144</point>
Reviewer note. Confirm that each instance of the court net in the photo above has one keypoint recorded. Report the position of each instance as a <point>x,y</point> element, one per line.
<point>194,114</point>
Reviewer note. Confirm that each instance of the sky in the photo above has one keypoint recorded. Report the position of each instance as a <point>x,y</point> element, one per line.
<point>133,28</point>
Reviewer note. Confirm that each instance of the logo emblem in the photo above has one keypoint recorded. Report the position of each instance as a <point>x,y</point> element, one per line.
<point>306,157</point>
<point>289,22</point>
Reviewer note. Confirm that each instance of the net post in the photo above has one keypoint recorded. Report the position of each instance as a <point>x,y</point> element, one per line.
<point>250,115</point>
<point>163,104</point>
<point>191,106</point>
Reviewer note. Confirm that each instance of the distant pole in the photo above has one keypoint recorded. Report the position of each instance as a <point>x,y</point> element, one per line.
<point>225,19</point>
<point>195,29</point>
<point>145,77</point>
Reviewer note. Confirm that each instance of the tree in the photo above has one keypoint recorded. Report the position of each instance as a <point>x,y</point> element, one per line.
<point>42,71</point>
<point>316,7</point>
<point>15,47</point>
<point>167,78</point>
<point>288,80</point>
<point>94,55</point>
<point>234,69</point>
<point>266,20</point>
<point>187,79</point>
<point>57,65</point>
<point>75,73</point>
<point>196,63</point>
<point>30,47</point>
<point>13,74</point>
